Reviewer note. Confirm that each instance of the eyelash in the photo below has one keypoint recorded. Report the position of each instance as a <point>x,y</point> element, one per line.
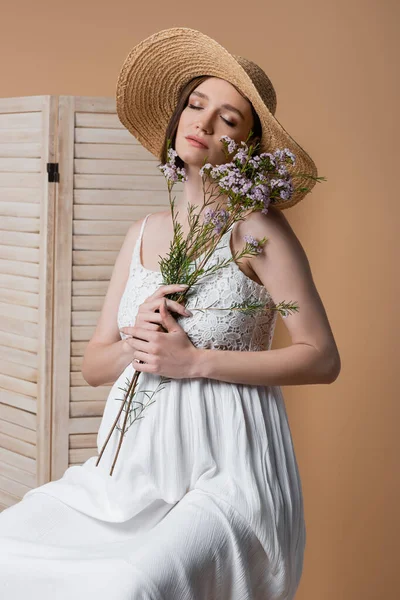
<point>199,108</point>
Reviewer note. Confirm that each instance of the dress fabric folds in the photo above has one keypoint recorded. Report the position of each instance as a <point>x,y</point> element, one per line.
<point>205,501</point>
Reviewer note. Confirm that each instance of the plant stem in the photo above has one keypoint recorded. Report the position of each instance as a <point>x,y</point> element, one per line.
<point>131,385</point>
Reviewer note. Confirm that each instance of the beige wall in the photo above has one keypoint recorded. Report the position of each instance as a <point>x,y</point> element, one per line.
<point>333,64</point>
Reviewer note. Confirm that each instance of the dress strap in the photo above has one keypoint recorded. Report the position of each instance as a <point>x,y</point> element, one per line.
<point>136,250</point>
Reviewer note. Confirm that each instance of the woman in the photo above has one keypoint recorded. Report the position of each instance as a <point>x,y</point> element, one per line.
<point>205,500</point>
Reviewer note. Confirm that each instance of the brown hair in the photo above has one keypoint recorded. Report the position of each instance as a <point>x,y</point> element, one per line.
<point>181,104</point>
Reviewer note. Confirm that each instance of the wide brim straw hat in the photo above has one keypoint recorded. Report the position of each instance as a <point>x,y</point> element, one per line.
<point>156,70</point>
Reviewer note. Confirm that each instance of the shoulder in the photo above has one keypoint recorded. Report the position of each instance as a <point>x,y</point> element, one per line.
<point>272,222</point>
<point>282,242</point>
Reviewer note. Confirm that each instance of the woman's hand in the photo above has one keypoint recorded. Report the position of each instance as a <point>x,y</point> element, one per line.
<point>165,351</point>
<point>148,318</point>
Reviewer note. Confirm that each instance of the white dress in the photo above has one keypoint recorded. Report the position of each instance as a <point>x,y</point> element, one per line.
<point>205,501</point>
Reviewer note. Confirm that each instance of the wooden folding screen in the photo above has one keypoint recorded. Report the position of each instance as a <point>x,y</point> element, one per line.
<point>72,180</point>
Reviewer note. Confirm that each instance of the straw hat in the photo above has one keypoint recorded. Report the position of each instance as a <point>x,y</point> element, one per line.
<point>156,70</point>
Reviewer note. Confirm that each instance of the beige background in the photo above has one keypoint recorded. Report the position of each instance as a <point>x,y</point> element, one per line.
<point>334,65</point>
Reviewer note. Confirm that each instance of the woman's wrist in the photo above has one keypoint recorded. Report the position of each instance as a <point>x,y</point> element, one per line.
<point>200,363</point>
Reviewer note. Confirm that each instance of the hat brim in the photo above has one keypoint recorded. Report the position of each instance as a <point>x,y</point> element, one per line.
<point>156,70</point>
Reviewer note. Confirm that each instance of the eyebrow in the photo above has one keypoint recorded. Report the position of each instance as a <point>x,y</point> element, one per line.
<point>228,106</point>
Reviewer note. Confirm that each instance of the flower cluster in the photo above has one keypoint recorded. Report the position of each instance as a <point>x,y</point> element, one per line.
<point>170,170</point>
<point>254,178</point>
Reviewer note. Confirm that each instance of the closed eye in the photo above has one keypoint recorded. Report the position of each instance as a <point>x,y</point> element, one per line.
<point>200,108</point>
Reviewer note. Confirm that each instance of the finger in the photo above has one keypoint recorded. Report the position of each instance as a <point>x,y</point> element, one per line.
<point>143,367</point>
<point>172,305</point>
<point>168,289</point>
<point>148,325</point>
<point>148,319</point>
<point>141,346</point>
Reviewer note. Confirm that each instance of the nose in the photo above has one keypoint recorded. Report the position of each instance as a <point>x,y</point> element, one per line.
<point>204,123</point>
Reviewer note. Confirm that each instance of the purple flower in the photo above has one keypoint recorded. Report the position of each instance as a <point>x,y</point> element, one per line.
<point>170,171</point>
<point>253,242</point>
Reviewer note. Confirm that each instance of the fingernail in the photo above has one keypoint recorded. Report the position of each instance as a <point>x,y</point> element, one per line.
<point>188,313</point>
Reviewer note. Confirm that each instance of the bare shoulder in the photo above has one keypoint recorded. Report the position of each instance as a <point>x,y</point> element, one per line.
<point>282,240</point>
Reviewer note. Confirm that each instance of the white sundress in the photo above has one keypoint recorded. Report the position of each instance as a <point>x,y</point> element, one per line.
<point>205,501</point>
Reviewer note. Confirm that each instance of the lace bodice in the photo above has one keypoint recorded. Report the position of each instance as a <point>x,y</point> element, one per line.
<point>213,329</point>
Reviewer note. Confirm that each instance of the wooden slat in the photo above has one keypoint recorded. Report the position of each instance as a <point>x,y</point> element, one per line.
<point>11,398</point>
<point>20,417</point>
<point>81,455</point>
<point>14,267</point>
<point>76,363</point>
<point>86,409</point>
<point>17,474</point>
<point>87,303</point>
<point>84,425</point>
<point>145,200</point>
<point>18,371</point>
<point>117,167</point>
<point>76,379</point>
<point>10,340</point>
<point>84,135</point>
<point>99,118</point>
<point>16,194</point>
<point>18,282</point>
<point>155,182</point>
<point>89,288</point>
<point>78,348</point>
<point>113,243</point>
<point>81,333</point>
<point>20,298</point>
<point>29,149</point>
<point>19,209</point>
<point>19,446</point>
<point>15,311</point>
<point>84,318</point>
<point>21,180</point>
<point>18,137</point>
<point>89,273</point>
<point>20,119</point>
<point>114,151</point>
<point>22,328</point>
<point>18,460</point>
<point>106,213</point>
<point>82,440</point>
<point>87,393</point>
<point>20,165</point>
<point>19,357</point>
<point>20,238</point>
<point>30,225</point>
<point>16,431</point>
<point>8,499</point>
<point>19,386</point>
<point>13,487</point>
<point>101,227</point>
<point>101,257</point>
<point>29,255</point>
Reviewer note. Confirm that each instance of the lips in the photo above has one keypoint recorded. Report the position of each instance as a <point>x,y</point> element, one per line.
<point>196,139</point>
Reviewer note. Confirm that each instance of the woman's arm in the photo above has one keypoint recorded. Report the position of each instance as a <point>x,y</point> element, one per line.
<point>284,270</point>
<point>298,364</point>
<point>106,354</point>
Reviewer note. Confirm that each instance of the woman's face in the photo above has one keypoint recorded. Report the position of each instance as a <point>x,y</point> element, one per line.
<point>215,108</point>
